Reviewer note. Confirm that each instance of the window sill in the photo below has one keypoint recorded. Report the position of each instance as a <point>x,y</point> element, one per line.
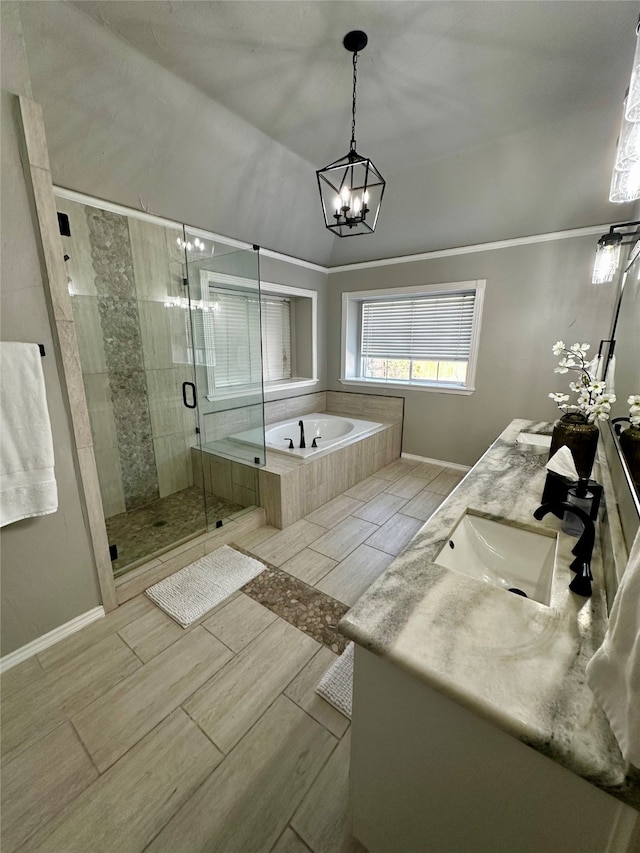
<point>410,386</point>
<point>285,385</point>
<point>289,384</point>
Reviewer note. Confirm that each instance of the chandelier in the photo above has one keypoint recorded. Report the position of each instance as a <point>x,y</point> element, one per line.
<point>351,188</point>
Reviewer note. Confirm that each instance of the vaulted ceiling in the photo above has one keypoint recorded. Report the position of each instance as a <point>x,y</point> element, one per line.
<point>488,120</point>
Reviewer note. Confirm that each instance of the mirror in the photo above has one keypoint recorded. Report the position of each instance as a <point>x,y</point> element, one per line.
<point>626,333</point>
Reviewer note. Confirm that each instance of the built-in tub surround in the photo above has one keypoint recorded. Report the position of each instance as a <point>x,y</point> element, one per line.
<point>516,663</point>
<point>290,488</point>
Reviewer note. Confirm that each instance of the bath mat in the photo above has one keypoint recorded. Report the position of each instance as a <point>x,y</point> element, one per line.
<point>336,685</point>
<point>190,593</point>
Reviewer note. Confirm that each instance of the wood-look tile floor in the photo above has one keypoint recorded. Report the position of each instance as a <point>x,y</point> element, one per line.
<point>134,734</point>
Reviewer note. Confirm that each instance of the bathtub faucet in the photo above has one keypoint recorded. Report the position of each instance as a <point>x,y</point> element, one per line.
<point>302,444</point>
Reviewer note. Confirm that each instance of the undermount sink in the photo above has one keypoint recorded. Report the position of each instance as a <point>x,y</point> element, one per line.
<point>533,441</point>
<point>502,555</point>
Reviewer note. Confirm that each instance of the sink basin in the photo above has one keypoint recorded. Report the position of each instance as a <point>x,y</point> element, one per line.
<point>533,441</point>
<point>502,555</point>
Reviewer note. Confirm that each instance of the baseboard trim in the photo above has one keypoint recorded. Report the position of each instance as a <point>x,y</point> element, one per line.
<point>414,458</point>
<point>50,639</point>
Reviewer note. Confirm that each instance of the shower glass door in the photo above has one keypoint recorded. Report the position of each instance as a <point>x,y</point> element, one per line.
<point>224,301</point>
<point>126,277</point>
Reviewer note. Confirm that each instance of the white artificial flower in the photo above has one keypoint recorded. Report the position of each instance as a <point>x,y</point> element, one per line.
<point>597,386</point>
<point>599,412</point>
<point>635,420</point>
<point>558,348</point>
<point>606,398</point>
<point>561,369</point>
<point>634,411</point>
<point>559,398</point>
<point>580,348</point>
<point>634,400</point>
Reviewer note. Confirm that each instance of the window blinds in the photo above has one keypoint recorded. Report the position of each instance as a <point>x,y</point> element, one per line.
<point>227,339</point>
<point>431,328</point>
<point>231,336</point>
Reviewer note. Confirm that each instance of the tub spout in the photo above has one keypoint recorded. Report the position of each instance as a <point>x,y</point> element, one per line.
<point>302,444</point>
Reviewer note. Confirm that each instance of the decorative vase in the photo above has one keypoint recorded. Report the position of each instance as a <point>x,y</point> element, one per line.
<point>581,437</point>
<point>630,446</point>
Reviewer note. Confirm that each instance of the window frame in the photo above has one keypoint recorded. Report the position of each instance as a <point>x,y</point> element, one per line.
<point>350,357</point>
<point>267,288</point>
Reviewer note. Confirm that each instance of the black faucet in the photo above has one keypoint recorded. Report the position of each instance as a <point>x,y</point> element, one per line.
<point>582,550</point>
<point>302,444</point>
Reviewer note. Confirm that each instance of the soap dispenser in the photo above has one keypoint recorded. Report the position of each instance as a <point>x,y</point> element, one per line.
<point>581,497</point>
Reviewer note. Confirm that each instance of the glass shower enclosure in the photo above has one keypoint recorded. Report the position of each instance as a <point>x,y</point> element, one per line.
<point>225,311</point>
<point>172,372</point>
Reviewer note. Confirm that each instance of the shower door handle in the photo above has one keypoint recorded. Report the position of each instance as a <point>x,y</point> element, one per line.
<point>185,400</point>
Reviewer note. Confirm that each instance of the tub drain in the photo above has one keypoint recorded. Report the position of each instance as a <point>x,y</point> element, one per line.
<point>159,523</point>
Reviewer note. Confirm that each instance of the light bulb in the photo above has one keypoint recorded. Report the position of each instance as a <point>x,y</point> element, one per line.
<point>346,196</point>
<point>607,258</point>
<point>357,205</point>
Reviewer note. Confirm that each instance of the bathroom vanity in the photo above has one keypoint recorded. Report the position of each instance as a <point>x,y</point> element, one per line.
<point>473,727</point>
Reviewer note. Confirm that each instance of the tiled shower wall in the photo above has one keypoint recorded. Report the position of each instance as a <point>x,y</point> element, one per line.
<point>133,352</point>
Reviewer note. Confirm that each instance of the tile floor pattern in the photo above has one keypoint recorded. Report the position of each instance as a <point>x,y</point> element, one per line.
<point>135,734</point>
<point>149,530</point>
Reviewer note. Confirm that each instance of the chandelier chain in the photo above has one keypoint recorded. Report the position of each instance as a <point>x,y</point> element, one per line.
<point>353,104</point>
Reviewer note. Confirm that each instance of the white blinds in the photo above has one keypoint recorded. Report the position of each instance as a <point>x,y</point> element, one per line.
<point>231,336</point>
<point>227,339</point>
<point>276,338</point>
<point>433,328</point>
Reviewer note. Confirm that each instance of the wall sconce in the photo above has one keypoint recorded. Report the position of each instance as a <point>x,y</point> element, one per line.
<point>608,251</point>
<point>351,188</point>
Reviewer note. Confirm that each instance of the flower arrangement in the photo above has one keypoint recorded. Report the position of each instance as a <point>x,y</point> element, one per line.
<point>634,411</point>
<point>593,401</point>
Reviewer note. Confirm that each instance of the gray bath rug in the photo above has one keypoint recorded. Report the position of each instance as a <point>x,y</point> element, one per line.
<point>190,593</point>
<point>336,685</point>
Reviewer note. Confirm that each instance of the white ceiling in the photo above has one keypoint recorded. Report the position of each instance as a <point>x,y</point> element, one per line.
<point>441,86</point>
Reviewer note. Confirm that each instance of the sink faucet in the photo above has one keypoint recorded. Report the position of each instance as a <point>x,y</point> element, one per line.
<point>302,444</point>
<point>582,550</point>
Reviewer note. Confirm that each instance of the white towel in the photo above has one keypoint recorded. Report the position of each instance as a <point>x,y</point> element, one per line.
<point>613,673</point>
<point>27,481</point>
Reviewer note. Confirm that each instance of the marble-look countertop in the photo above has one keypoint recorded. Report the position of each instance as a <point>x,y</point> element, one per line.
<point>517,663</point>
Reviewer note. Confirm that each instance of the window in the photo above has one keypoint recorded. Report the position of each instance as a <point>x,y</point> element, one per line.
<point>243,340</point>
<point>418,336</point>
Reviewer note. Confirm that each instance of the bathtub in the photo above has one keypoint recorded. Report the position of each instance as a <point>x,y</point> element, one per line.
<point>328,430</point>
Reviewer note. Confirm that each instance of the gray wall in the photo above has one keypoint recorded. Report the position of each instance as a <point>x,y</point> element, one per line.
<point>121,128</point>
<point>48,573</point>
<point>535,295</point>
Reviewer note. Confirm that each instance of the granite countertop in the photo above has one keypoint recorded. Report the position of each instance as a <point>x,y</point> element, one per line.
<point>517,663</point>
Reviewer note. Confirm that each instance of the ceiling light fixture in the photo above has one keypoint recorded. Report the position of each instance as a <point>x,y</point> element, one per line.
<point>608,251</point>
<point>351,188</point>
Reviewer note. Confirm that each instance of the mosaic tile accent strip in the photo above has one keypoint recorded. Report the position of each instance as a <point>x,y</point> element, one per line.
<point>118,311</point>
<point>301,605</point>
